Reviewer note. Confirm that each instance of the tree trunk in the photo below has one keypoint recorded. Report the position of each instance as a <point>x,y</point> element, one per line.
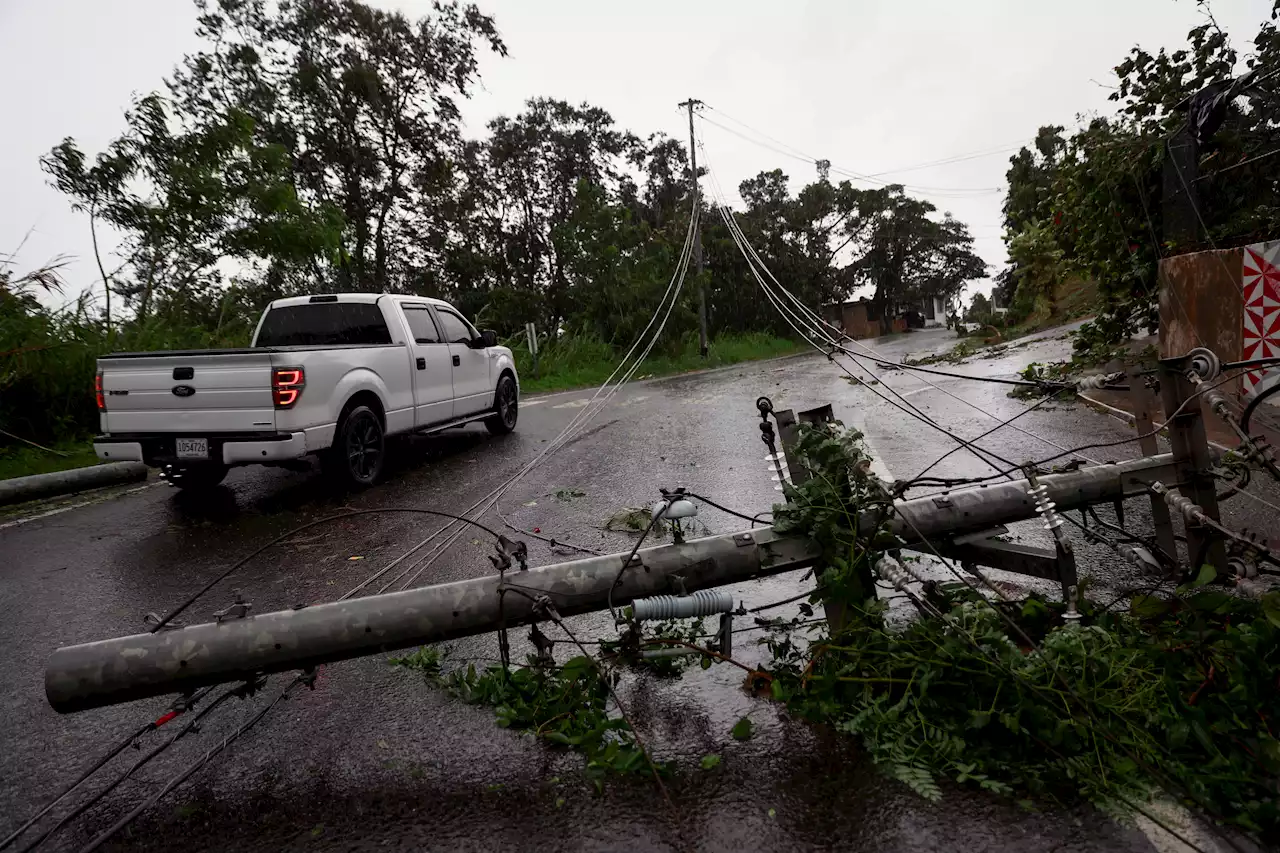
<point>97,256</point>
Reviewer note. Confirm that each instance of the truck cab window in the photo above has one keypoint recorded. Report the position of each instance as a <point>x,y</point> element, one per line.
<point>324,324</point>
<point>456,329</point>
<point>421,326</point>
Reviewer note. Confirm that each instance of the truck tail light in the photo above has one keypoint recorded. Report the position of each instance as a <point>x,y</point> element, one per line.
<point>97,392</point>
<point>286,386</point>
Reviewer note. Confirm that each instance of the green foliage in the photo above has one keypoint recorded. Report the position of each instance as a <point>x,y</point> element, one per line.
<point>710,762</point>
<point>979,309</point>
<point>567,707</point>
<point>581,361</point>
<point>1090,204</point>
<point>1179,693</point>
<point>20,460</point>
<point>426,660</point>
<point>743,729</point>
<point>668,635</point>
<point>827,508</point>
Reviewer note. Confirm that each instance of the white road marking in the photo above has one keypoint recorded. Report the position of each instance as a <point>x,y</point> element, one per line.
<point>537,402</point>
<point>1180,820</point>
<point>62,509</point>
<point>573,404</point>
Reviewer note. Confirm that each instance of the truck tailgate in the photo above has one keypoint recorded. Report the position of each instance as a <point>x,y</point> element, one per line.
<point>187,393</point>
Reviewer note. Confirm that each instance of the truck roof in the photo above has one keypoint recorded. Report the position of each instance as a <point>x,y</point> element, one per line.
<point>355,297</point>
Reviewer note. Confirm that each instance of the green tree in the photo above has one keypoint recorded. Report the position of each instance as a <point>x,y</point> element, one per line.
<point>979,309</point>
<point>1097,196</point>
<point>185,199</point>
<point>363,103</point>
<point>907,256</point>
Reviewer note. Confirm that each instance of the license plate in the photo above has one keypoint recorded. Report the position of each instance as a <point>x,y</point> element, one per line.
<point>192,448</point>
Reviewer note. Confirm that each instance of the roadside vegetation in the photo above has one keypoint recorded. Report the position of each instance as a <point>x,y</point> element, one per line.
<point>1166,691</point>
<point>584,361</point>
<point>1088,205</point>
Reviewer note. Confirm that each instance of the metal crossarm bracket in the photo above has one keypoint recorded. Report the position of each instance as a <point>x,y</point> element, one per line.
<point>982,549</point>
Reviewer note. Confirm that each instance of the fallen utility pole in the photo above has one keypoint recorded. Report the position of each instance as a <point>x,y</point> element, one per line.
<point>172,661</point>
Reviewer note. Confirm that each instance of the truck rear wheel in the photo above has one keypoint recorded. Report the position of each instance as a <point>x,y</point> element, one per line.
<point>196,477</point>
<point>506,407</point>
<point>359,448</point>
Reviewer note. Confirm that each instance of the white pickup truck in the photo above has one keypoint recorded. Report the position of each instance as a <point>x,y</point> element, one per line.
<point>332,375</point>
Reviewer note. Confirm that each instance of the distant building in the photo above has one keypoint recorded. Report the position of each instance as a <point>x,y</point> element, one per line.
<point>858,318</point>
<point>934,310</point>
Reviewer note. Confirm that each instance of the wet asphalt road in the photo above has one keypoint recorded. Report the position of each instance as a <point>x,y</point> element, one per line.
<point>375,758</point>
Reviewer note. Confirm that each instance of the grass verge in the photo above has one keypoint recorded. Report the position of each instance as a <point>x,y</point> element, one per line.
<point>585,362</point>
<point>22,461</point>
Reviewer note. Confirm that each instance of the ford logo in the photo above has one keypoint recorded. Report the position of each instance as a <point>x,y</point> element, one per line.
<point>183,390</point>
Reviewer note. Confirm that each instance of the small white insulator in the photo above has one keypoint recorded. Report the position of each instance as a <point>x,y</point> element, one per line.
<point>1243,568</point>
<point>1098,380</point>
<point>891,570</point>
<point>1184,505</point>
<point>1138,555</point>
<point>1046,507</point>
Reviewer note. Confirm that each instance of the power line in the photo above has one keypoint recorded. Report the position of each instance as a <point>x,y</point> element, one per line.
<point>971,155</point>
<point>209,755</point>
<point>944,192</point>
<point>299,529</point>
<point>594,406</point>
<point>816,323</point>
<point>905,406</point>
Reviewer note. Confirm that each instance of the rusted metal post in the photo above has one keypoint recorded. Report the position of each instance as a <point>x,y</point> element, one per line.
<point>1190,445</point>
<point>1143,403</point>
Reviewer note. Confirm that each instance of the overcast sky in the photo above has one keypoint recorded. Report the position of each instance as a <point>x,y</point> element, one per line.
<point>874,86</point>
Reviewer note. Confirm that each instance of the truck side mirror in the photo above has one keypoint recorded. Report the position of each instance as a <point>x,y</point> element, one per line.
<point>488,338</point>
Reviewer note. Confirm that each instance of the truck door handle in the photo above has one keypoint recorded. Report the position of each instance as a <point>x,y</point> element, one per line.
<point>457,361</point>
<point>422,363</point>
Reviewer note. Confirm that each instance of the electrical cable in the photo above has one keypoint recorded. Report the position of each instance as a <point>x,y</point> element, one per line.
<point>550,540</point>
<point>84,777</point>
<point>286,535</point>
<point>140,763</point>
<point>657,516</point>
<point>593,407</point>
<point>174,711</point>
<point>816,324</point>
<point>1251,362</point>
<point>1155,430</point>
<point>995,428</point>
<point>1247,416</point>
<point>713,504</point>
<point>181,777</point>
<point>788,315</point>
<point>802,596</point>
<point>580,419</point>
<point>943,192</point>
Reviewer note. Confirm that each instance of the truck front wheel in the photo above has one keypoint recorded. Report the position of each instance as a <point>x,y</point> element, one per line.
<point>359,448</point>
<point>505,407</point>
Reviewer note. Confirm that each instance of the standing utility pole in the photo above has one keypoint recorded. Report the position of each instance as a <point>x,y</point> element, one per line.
<point>697,229</point>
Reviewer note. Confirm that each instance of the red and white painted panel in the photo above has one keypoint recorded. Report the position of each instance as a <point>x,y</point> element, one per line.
<point>1261,280</point>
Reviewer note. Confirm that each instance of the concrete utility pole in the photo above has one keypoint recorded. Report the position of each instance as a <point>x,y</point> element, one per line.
<point>697,227</point>
<point>108,672</point>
